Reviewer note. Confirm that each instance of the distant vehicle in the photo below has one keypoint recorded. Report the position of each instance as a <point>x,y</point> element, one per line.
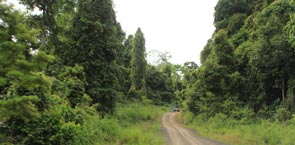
<point>175,109</point>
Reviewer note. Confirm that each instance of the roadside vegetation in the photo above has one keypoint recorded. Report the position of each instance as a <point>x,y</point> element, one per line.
<point>242,132</point>
<point>243,93</point>
<point>132,124</point>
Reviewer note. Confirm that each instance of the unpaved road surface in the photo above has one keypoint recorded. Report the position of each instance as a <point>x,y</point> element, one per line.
<point>177,135</point>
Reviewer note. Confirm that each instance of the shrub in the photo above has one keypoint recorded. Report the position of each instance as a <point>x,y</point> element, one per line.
<point>282,114</point>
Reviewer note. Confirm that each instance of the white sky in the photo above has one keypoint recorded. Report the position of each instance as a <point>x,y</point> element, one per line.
<point>181,27</point>
<point>16,4</point>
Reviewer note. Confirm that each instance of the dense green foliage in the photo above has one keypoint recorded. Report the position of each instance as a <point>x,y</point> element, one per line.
<point>248,61</point>
<point>93,45</point>
<point>63,71</point>
<point>138,66</point>
<point>245,86</point>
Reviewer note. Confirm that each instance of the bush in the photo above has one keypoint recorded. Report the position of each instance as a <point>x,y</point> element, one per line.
<point>132,124</point>
<point>188,117</point>
<point>282,114</point>
<point>292,120</point>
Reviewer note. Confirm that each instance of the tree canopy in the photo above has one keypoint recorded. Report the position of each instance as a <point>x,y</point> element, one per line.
<point>247,62</point>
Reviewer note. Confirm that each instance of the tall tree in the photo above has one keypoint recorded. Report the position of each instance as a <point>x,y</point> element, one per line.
<point>273,57</point>
<point>25,90</point>
<point>138,66</point>
<point>22,65</point>
<point>94,44</point>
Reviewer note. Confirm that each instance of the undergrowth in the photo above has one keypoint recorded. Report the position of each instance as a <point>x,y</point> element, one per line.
<point>242,131</point>
<point>132,124</point>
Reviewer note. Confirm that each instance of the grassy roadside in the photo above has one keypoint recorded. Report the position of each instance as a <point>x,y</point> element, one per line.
<point>242,132</point>
<point>132,124</point>
<point>141,124</point>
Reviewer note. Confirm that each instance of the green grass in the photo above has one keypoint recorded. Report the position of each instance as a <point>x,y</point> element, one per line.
<point>141,124</point>
<point>132,124</point>
<point>242,132</point>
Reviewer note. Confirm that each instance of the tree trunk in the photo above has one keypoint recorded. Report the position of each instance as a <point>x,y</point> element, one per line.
<point>283,90</point>
<point>43,27</point>
<point>292,100</point>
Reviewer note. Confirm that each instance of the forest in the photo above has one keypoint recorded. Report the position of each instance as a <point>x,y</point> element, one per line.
<point>70,75</point>
<point>244,90</point>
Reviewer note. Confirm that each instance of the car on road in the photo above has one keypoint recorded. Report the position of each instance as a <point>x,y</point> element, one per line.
<point>175,109</point>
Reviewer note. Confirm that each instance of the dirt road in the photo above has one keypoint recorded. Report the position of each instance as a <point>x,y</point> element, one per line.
<point>177,135</point>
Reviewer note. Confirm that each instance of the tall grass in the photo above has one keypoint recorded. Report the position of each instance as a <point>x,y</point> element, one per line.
<point>132,124</point>
<point>239,132</point>
<point>141,124</point>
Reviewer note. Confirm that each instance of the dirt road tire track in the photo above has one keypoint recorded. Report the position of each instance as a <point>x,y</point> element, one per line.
<point>177,135</point>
